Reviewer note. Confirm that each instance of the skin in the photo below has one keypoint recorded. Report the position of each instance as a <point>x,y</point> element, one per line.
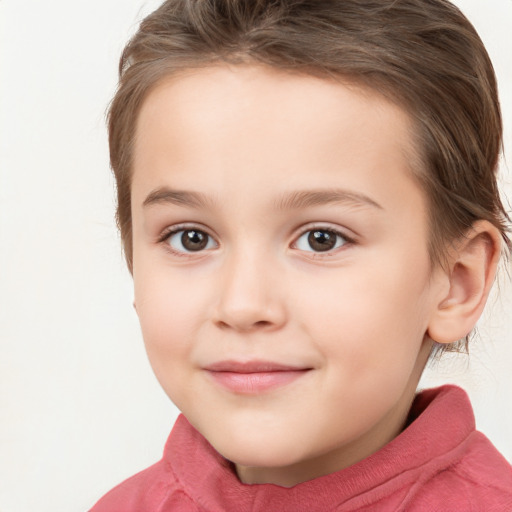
<point>249,139</point>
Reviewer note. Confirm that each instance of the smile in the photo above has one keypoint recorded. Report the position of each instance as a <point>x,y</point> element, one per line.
<point>253,377</point>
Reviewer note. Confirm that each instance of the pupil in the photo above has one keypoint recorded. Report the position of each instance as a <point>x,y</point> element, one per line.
<point>194,240</point>
<point>322,240</point>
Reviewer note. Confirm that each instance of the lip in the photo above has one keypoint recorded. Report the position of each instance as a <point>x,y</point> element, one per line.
<point>254,377</point>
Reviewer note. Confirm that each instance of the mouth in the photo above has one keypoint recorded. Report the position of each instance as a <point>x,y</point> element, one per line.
<point>253,377</point>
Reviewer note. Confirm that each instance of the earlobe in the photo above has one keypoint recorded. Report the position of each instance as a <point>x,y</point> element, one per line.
<point>471,272</point>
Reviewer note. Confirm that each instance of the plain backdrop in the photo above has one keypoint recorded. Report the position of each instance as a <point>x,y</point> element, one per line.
<point>79,407</point>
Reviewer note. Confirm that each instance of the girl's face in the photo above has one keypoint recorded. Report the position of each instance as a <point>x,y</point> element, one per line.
<point>282,276</point>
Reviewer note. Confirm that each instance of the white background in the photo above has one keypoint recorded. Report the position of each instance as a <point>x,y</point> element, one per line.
<point>79,407</point>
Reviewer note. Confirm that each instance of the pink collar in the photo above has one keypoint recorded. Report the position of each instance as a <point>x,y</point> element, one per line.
<point>440,422</point>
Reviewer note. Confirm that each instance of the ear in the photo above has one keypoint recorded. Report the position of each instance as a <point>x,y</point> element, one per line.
<point>471,271</point>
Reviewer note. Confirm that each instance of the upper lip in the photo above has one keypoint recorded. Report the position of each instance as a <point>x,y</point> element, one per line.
<point>254,366</point>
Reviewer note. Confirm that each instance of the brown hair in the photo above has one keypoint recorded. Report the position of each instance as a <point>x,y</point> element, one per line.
<point>422,54</point>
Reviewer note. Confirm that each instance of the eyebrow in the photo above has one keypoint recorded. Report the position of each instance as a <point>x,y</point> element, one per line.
<point>291,201</point>
<point>308,198</point>
<point>165,195</point>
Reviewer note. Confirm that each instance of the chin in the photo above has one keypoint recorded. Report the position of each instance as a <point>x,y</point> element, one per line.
<point>251,450</point>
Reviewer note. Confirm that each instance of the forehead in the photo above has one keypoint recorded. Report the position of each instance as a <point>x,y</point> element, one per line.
<point>233,122</point>
<point>198,96</point>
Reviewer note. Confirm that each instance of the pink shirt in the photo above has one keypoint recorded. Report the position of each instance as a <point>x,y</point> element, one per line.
<point>438,463</point>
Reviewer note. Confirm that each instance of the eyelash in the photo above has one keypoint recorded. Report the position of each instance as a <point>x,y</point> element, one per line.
<point>347,240</point>
<point>168,233</point>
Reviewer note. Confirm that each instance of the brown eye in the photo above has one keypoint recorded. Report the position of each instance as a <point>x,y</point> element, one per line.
<point>320,240</point>
<point>194,240</point>
<point>190,240</point>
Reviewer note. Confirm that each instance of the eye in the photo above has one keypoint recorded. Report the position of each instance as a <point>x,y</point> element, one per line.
<point>190,240</point>
<point>320,240</point>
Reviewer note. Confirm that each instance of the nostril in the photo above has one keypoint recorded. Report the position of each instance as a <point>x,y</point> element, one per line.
<point>222,324</point>
<point>262,323</point>
<point>240,326</point>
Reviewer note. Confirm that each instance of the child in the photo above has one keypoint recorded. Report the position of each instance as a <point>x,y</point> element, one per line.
<point>308,204</point>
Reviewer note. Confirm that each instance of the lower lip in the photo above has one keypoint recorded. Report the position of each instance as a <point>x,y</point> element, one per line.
<point>254,383</point>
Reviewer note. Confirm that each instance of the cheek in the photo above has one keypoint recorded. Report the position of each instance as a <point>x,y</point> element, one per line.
<point>370,318</point>
<point>170,313</point>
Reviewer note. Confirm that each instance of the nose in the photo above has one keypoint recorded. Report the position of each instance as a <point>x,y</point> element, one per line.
<point>250,296</point>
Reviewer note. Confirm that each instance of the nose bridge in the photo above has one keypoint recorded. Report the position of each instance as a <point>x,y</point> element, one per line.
<point>249,289</point>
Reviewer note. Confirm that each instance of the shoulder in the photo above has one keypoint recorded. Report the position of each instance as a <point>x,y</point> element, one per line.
<point>166,485</point>
<point>478,479</point>
<point>485,471</point>
<point>456,467</point>
<point>147,491</point>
